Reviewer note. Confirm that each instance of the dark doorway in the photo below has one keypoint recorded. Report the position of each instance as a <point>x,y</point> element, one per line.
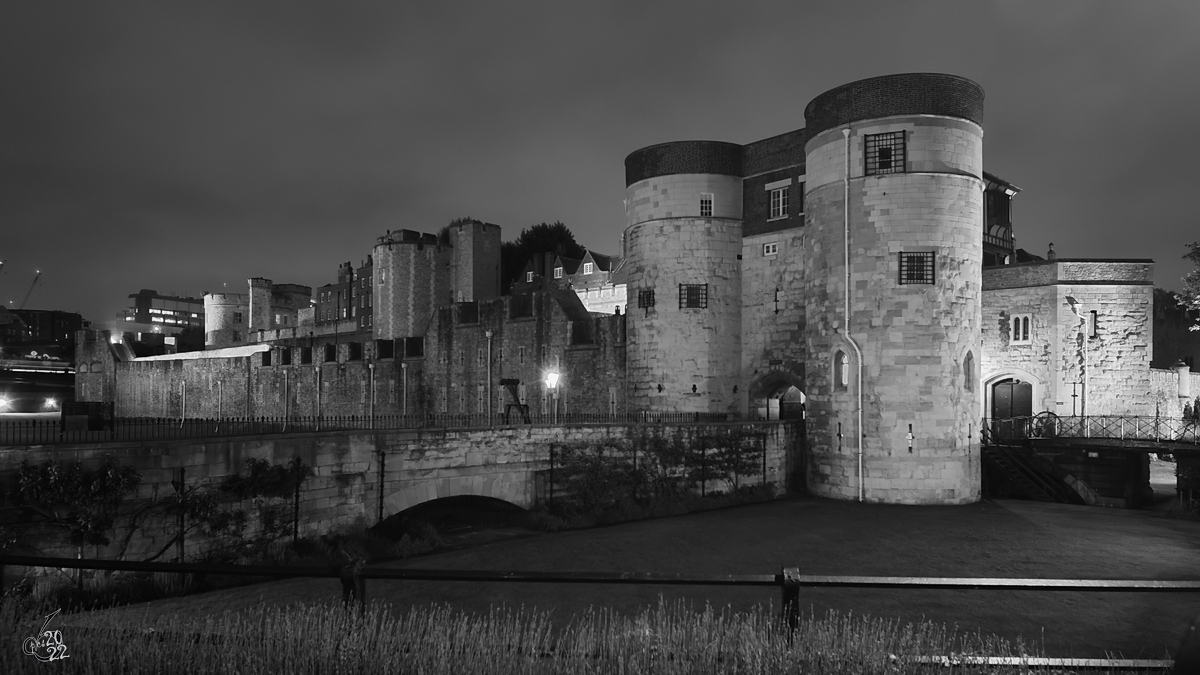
<point>1011,398</point>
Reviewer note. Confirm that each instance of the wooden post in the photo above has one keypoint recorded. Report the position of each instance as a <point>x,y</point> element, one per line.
<point>791,597</point>
<point>354,586</point>
<point>182,508</point>
<point>551,476</point>
<point>382,463</point>
<point>1187,657</point>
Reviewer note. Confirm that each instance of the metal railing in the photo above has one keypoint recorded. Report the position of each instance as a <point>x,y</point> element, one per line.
<point>34,431</point>
<point>789,580</point>
<point>1113,427</point>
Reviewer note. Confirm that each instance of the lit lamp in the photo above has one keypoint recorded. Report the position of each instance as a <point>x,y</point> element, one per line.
<point>552,385</point>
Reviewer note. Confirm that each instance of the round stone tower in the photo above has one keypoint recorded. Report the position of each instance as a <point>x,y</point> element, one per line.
<point>225,319</point>
<point>893,361</point>
<point>683,243</point>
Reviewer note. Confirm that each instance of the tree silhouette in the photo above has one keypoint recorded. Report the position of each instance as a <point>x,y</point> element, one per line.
<point>541,238</point>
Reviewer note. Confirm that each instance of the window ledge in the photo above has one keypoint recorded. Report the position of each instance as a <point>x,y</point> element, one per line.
<point>777,218</point>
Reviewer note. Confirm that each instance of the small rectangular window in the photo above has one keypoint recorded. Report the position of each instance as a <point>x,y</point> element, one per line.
<point>646,298</point>
<point>479,357</point>
<point>237,317</point>
<point>285,356</point>
<point>884,153</point>
<point>1020,333</point>
<point>1093,324</point>
<point>529,277</point>
<point>779,203</point>
<point>266,358</point>
<point>771,248</point>
<point>306,355</point>
<point>558,272</point>
<point>706,204</point>
<point>693,296</point>
<point>330,353</point>
<point>385,349</point>
<point>479,404</point>
<point>521,355</point>
<point>917,268</point>
<point>588,267</point>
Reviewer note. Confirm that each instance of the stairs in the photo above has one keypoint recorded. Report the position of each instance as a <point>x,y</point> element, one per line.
<point>1024,476</point>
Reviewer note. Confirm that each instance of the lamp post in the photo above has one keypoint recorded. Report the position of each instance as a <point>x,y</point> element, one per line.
<point>552,385</point>
<point>489,377</point>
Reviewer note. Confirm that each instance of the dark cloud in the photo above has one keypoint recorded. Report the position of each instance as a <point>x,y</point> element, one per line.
<point>181,146</point>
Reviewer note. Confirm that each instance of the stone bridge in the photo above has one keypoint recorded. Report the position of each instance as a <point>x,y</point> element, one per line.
<point>371,475</point>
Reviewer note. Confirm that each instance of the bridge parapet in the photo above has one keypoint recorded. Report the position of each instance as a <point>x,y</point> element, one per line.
<point>1180,432</point>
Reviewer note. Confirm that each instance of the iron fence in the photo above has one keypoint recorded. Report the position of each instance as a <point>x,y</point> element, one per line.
<point>35,431</point>
<point>1113,427</point>
<point>789,580</point>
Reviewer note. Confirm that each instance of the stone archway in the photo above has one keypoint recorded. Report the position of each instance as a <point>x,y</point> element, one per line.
<point>778,395</point>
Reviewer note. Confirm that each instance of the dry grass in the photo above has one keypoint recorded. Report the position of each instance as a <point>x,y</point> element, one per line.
<point>669,638</point>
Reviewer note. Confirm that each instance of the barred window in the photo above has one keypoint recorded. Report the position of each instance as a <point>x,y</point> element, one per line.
<point>779,203</point>
<point>646,297</point>
<point>706,204</point>
<point>917,268</point>
<point>884,153</point>
<point>693,296</point>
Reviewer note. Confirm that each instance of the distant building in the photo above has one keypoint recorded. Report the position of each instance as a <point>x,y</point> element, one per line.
<point>152,313</point>
<point>349,298</point>
<point>47,326</point>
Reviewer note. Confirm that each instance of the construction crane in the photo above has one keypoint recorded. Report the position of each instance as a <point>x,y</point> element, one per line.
<point>30,291</point>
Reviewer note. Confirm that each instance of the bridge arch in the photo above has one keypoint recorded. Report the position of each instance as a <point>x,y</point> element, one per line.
<point>515,487</point>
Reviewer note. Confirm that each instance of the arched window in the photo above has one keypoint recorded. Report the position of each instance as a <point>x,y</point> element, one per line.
<point>969,372</point>
<point>841,370</point>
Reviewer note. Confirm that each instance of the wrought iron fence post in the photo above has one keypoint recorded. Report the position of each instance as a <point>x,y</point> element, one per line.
<point>354,586</point>
<point>791,596</point>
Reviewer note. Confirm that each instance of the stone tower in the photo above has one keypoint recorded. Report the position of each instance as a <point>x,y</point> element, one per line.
<point>893,345</point>
<point>683,240</point>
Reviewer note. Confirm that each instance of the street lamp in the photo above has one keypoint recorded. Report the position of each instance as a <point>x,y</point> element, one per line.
<point>552,384</point>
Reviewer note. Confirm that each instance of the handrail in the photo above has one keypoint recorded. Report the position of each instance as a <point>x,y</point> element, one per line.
<point>1046,426</point>
<point>354,575</point>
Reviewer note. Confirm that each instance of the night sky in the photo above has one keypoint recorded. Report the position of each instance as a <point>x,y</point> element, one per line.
<point>185,146</point>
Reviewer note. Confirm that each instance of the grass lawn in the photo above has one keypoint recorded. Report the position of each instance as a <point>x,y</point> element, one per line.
<point>1005,538</point>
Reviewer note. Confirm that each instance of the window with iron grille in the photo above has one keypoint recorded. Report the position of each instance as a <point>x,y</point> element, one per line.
<point>779,203</point>
<point>646,298</point>
<point>884,153</point>
<point>916,268</point>
<point>706,205</point>
<point>693,296</point>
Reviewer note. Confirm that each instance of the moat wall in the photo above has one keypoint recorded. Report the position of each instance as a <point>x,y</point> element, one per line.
<point>417,466</point>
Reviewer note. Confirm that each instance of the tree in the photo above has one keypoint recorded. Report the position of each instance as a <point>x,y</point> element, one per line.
<point>1191,281</point>
<point>541,238</point>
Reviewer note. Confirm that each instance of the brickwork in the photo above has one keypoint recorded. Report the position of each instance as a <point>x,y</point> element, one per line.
<point>907,94</point>
<point>683,157</point>
<point>756,201</point>
<point>417,466</point>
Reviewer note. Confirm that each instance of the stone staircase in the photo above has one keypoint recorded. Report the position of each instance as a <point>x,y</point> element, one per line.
<point>1018,470</point>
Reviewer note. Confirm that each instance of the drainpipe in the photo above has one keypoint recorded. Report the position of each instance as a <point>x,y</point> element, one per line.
<point>846,309</point>
<point>404,389</point>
